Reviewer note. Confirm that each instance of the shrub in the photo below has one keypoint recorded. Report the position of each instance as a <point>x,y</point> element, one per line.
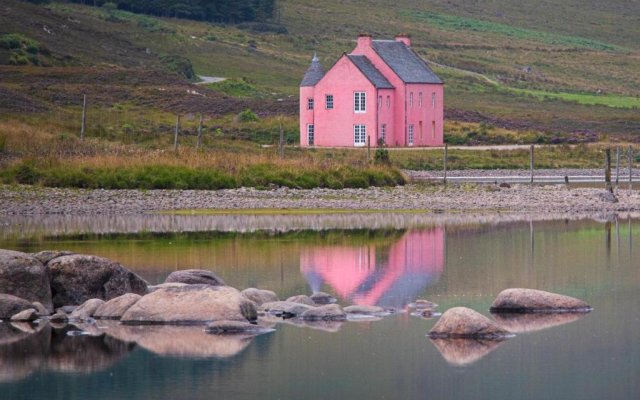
<point>247,116</point>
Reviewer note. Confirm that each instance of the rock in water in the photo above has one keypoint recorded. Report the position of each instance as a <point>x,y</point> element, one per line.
<point>235,327</point>
<point>115,308</point>
<point>365,310</point>
<point>329,312</point>
<point>24,276</point>
<point>195,277</point>
<point>530,300</point>
<point>302,299</point>
<point>25,316</point>
<point>191,305</point>
<point>42,311</point>
<point>259,296</point>
<point>11,305</point>
<point>285,308</point>
<point>87,309</point>
<point>323,298</point>
<point>48,255</point>
<point>464,323</point>
<point>78,278</point>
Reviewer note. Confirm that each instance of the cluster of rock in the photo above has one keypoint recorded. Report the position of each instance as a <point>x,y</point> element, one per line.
<point>463,335</point>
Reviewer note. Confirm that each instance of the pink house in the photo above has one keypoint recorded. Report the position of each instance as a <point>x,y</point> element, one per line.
<point>382,91</point>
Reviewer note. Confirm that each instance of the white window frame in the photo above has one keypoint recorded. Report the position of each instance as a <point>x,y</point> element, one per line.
<point>388,101</point>
<point>379,102</point>
<point>383,133</point>
<point>410,99</point>
<point>359,135</point>
<point>359,102</point>
<point>433,100</point>
<point>420,99</point>
<point>328,101</point>
<point>310,103</point>
<point>311,134</point>
<point>411,132</point>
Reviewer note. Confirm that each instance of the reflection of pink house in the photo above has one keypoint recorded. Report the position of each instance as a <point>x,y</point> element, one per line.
<point>381,91</point>
<point>365,276</point>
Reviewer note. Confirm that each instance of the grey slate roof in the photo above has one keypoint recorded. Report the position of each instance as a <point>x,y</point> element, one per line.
<point>370,71</point>
<point>313,74</point>
<point>405,62</point>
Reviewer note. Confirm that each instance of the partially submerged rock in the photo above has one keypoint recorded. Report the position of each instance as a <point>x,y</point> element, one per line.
<point>530,322</point>
<point>530,300</point>
<point>24,276</point>
<point>11,305</point>
<point>87,309</point>
<point>463,352</point>
<point>191,304</point>
<point>78,278</point>
<point>462,322</point>
<point>195,277</point>
<point>25,316</point>
<point>358,310</point>
<point>59,317</point>
<point>329,312</point>
<point>259,296</point>
<point>422,304</point>
<point>235,327</point>
<point>285,308</point>
<point>323,298</point>
<point>302,299</point>
<point>115,308</point>
<point>42,311</point>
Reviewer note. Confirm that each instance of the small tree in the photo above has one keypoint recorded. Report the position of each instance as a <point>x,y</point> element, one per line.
<point>382,154</point>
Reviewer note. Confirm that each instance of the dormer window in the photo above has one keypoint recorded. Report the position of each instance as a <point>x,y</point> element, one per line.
<point>359,102</point>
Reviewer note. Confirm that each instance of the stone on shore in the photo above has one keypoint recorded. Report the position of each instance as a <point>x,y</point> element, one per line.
<point>235,327</point>
<point>191,305</point>
<point>115,308</point>
<point>323,298</point>
<point>11,305</point>
<point>530,300</point>
<point>329,312</point>
<point>259,296</point>
<point>195,277</point>
<point>302,299</point>
<point>25,316</point>
<point>87,309</point>
<point>285,309</point>
<point>465,323</point>
<point>24,276</point>
<point>47,255</point>
<point>78,278</point>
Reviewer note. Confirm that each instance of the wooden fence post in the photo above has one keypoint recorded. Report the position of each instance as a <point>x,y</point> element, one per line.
<point>175,135</point>
<point>531,163</point>
<point>617,165</point>
<point>630,159</point>
<point>446,157</point>
<point>84,116</point>
<point>368,147</point>
<point>281,143</point>
<point>607,169</point>
<point>199,143</point>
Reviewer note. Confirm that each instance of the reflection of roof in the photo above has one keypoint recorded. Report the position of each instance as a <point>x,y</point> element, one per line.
<point>314,73</point>
<point>404,62</point>
<point>370,72</point>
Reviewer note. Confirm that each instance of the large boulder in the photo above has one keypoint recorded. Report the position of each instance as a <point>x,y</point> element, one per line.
<point>285,308</point>
<point>464,323</point>
<point>530,300</point>
<point>195,277</point>
<point>329,312</point>
<point>47,255</point>
<point>191,304</point>
<point>78,278</point>
<point>260,296</point>
<point>11,305</point>
<point>115,308</point>
<point>24,276</point>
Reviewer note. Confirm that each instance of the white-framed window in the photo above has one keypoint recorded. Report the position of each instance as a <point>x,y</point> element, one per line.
<point>383,133</point>
<point>411,99</point>
<point>310,103</point>
<point>360,102</point>
<point>433,100</point>
<point>359,135</point>
<point>388,101</point>
<point>311,134</point>
<point>328,102</point>
<point>379,102</point>
<point>420,99</point>
<point>411,135</point>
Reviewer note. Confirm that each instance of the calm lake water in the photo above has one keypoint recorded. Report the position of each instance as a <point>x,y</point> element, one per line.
<point>387,260</point>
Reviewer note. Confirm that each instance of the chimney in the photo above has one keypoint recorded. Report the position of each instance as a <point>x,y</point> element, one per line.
<point>404,38</point>
<point>364,40</point>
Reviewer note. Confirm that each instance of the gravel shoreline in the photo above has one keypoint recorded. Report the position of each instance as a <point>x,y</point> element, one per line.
<point>26,200</point>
